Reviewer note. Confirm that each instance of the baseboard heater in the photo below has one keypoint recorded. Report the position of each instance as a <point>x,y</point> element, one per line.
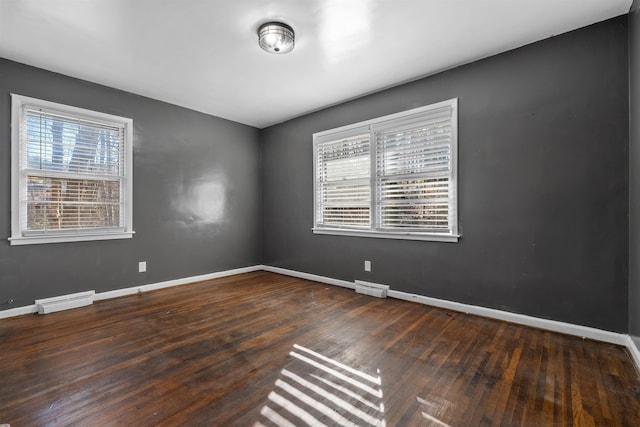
<point>65,302</point>
<point>372,289</point>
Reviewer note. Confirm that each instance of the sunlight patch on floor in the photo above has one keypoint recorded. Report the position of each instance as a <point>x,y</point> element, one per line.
<point>316,390</point>
<point>431,417</point>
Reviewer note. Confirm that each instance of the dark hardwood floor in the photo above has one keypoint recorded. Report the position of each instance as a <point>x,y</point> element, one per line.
<point>262,349</point>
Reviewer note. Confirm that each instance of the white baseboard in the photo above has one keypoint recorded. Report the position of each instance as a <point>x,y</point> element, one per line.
<point>634,350</point>
<point>170,283</point>
<point>309,276</point>
<point>19,311</point>
<point>520,319</point>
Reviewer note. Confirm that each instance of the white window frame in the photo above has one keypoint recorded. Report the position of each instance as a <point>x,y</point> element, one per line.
<point>18,179</point>
<point>372,126</point>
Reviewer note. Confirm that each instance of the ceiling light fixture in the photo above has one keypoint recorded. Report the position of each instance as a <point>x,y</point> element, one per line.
<point>276,37</point>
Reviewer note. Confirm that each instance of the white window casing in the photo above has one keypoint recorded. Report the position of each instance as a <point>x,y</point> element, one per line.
<point>390,177</point>
<point>71,173</point>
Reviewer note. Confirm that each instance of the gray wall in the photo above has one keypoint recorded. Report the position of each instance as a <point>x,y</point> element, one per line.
<point>634,172</point>
<point>543,185</point>
<point>196,196</point>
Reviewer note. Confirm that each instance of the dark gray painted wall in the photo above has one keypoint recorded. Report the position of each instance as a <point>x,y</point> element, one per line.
<point>196,196</point>
<point>543,185</point>
<point>634,172</point>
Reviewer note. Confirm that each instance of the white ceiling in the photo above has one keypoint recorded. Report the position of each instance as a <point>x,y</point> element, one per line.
<point>203,54</point>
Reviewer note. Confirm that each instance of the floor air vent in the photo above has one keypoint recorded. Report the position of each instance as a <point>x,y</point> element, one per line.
<point>65,302</point>
<point>371,289</point>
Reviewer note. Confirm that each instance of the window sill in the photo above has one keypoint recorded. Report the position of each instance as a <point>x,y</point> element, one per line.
<point>38,240</point>
<point>432,237</point>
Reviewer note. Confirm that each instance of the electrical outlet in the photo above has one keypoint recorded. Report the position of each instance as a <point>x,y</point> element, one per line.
<point>142,266</point>
<point>367,266</point>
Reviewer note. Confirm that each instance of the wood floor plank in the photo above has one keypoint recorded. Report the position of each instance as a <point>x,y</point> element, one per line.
<point>263,349</point>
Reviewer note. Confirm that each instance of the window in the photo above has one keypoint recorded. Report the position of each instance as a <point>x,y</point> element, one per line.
<point>71,173</point>
<point>392,177</point>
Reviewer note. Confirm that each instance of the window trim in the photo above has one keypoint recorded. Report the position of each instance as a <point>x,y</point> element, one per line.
<point>20,236</point>
<point>371,126</point>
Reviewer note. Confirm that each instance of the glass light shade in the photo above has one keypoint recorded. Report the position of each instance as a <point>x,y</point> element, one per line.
<point>276,37</point>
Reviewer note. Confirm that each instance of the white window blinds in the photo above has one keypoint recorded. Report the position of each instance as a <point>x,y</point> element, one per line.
<point>74,171</point>
<point>413,173</point>
<point>343,196</point>
<point>390,177</point>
